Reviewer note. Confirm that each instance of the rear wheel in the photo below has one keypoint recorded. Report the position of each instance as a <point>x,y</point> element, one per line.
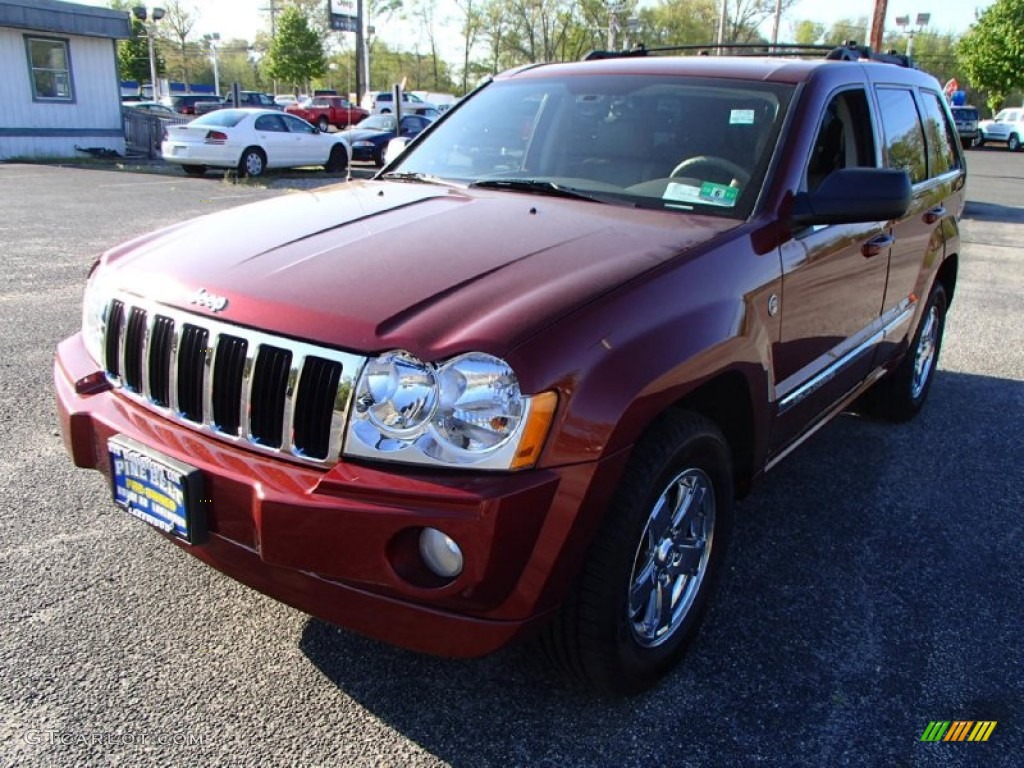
<point>901,394</point>
<point>323,124</point>
<point>378,157</point>
<point>644,587</point>
<point>194,170</point>
<point>253,162</point>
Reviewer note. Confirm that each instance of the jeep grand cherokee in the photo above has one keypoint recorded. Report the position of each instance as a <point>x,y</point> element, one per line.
<point>513,385</point>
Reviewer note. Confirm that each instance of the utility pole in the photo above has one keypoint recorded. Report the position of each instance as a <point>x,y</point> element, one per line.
<point>721,25</point>
<point>878,24</point>
<point>775,23</point>
<point>362,62</point>
<point>272,8</point>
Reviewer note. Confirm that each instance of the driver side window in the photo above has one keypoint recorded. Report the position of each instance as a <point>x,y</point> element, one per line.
<point>844,138</point>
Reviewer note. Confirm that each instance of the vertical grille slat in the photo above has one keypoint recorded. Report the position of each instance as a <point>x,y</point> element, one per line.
<point>314,406</point>
<point>160,347</point>
<point>134,349</point>
<point>269,386</point>
<point>227,383</point>
<point>267,393</point>
<point>191,364</point>
<point>115,328</point>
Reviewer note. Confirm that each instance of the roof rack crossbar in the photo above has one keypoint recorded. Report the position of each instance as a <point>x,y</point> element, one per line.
<point>849,51</point>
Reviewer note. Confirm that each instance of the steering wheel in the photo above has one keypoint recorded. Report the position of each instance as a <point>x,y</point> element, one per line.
<point>720,163</point>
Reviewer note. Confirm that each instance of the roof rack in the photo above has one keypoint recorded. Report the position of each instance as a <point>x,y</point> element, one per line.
<point>848,51</point>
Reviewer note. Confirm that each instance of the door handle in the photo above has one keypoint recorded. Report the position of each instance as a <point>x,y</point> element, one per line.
<point>876,245</point>
<point>933,215</point>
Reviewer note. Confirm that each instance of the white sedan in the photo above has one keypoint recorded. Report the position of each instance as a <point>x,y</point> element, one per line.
<point>252,140</point>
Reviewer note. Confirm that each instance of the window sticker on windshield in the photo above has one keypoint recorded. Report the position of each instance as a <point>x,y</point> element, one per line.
<point>707,193</point>
<point>741,117</point>
<point>718,194</point>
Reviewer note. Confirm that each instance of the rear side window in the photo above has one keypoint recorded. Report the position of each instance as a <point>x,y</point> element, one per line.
<point>942,152</point>
<point>224,118</point>
<point>904,138</point>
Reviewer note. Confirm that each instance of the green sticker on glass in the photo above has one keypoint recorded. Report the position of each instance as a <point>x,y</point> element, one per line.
<point>718,194</point>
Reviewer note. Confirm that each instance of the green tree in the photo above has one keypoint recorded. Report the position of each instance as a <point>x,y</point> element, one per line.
<point>133,56</point>
<point>175,27</point>
<point>992,51</point>
<point>296,55</point>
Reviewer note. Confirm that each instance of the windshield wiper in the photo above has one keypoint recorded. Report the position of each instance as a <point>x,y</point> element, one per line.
<point>542,187</point>
<point>422,178</point>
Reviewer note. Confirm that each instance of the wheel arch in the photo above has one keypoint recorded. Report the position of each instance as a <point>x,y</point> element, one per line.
<point>947,275</point>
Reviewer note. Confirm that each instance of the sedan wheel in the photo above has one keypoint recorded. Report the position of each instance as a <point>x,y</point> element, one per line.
<point>1013,143</point>
<point>253,162</point>
<point>645,584</point>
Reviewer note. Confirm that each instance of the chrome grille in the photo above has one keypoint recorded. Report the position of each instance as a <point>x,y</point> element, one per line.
<point>264,392</point>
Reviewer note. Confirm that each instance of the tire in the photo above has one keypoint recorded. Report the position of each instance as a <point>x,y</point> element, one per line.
<point>252,163</point>
<point>977,141</point>
<point>378,157</point>
<point>900,395</point>
<point>615,632</point>
<point>338,161</point>
<point>1013,143</point>
<point>194,170</point>
<point>323,124</point>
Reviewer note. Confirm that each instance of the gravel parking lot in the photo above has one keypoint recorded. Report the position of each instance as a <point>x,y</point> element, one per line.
<point>873,585</point>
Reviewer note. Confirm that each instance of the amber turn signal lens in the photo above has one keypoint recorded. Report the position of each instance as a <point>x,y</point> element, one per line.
<point>542,412</point>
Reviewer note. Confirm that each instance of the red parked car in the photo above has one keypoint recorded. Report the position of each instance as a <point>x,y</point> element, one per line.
<point>512,386</point>
<point>325,111</point>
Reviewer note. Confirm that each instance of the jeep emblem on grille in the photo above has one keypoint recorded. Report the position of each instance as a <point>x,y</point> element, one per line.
<point>211,301</point>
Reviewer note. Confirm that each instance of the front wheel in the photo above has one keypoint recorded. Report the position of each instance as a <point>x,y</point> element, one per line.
<point>901,394</point>
<point>645,584</point>
<point>1013,143</point>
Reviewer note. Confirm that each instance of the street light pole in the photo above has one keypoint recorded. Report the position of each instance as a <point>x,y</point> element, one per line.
<point>214,39</point>
<point>149,18</point>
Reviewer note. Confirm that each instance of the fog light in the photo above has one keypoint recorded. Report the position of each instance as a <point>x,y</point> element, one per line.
<point>440,553</point>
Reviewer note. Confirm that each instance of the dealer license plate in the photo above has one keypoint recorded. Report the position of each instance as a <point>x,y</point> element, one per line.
<point>157,489</point>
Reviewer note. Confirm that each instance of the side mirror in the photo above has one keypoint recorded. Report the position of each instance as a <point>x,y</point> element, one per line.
<point>852,195</point>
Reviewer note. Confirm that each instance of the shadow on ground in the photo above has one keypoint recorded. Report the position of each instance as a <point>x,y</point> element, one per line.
<point>866,593</point>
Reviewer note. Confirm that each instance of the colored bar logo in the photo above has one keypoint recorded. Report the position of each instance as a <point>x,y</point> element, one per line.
<point>958,730</point>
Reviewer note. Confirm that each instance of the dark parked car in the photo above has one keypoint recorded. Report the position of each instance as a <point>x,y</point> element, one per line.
<point>966,119</point>
<point>512,386</point>
<point>370,138</point>
<point>185,103</point>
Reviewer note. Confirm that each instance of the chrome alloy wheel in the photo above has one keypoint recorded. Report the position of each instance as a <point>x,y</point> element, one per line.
<point>924,355</point>
<point>672,558</point>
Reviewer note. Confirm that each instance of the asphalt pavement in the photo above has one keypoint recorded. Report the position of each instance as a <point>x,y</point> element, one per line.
<point>873,584</point>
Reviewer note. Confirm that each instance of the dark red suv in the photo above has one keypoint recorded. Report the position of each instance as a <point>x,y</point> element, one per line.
<point>513,385</point>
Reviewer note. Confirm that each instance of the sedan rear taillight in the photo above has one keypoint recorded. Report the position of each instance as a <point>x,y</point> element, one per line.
<point>216,137</point>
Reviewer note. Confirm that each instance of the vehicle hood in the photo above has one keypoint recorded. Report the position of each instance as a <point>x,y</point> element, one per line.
<point>371,266</point>
<point>353,135</point>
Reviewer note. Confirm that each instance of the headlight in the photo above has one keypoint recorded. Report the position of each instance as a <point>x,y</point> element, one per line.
<point>94,315</point>
<point>467,411</point>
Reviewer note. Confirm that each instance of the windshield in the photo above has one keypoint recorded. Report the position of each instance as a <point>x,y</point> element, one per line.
<point>222,118</point>
<point>663,142</point>
<point>378,123</point>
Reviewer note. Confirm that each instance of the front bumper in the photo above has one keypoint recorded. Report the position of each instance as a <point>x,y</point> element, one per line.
<point>341,543</point>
